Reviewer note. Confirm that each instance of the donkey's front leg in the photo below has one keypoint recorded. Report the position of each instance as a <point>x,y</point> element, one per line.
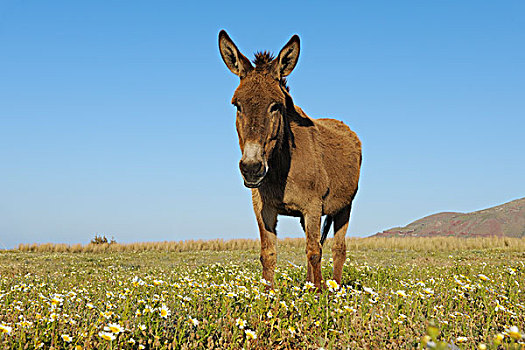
<point>313,248</point>
<point>267,222</point>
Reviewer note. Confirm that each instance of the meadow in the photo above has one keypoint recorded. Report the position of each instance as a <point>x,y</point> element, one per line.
<point>396,293</point>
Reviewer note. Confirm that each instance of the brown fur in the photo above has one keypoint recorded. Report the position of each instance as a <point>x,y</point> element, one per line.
<point>312,165</point>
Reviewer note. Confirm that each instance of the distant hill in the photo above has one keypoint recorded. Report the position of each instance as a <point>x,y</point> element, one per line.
<point>504,220</point>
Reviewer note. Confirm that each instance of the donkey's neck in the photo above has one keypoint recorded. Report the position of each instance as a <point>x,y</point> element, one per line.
<point>281,157</point>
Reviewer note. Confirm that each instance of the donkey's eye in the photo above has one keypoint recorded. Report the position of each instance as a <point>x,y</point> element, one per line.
<point>276,107</point>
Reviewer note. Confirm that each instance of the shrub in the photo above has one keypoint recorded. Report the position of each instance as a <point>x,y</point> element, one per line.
<point>102,239</point>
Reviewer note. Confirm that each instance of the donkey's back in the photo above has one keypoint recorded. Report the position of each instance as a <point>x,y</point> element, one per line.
<point>339,151</point>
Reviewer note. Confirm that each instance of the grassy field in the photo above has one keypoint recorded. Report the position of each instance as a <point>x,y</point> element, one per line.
<point>396,294</point>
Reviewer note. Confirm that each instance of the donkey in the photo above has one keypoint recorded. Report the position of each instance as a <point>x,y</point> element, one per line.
<point>294,165</point>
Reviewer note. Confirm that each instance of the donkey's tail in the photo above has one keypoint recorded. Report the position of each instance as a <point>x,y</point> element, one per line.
<point>326,227</point>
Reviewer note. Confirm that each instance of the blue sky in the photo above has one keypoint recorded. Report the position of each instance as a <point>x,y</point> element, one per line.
<point>115,117</point>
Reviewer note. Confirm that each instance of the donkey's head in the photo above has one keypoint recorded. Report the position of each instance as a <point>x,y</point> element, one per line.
<point>260,99</point>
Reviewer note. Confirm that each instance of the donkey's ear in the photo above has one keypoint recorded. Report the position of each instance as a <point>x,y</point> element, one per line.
<point>234,59</point>
<point>285,62</point>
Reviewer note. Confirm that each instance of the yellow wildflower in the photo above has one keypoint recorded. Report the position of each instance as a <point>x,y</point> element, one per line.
<point>401,293</point>
<point>240,323</point>
<point>483,277</point>
<point>114,328</point>
<point>193,321</point>
<point>428,291</point>
<point>461,340</point>
<point>250,334</point>
<point>56,300</point>
<point>514,333</point>
<point>106,336</point>
<point>5,328</point>
<point>164,311</point>
<point>332,285</point>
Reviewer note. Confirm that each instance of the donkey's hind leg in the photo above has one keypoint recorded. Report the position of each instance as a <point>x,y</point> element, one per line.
<point>341,220</point>
<point>313,247</point>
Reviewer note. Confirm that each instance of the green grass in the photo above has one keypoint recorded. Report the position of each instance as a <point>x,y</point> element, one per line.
<point>391,298</point>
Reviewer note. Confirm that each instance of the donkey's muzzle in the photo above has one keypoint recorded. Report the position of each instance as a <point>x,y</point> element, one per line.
<point>252,165</point>
<point>253,173</point>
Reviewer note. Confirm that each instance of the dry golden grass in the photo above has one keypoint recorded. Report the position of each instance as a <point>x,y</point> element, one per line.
<point>396,243</point>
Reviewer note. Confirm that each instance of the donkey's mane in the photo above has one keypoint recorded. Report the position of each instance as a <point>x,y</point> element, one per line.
<point>262,61</point>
